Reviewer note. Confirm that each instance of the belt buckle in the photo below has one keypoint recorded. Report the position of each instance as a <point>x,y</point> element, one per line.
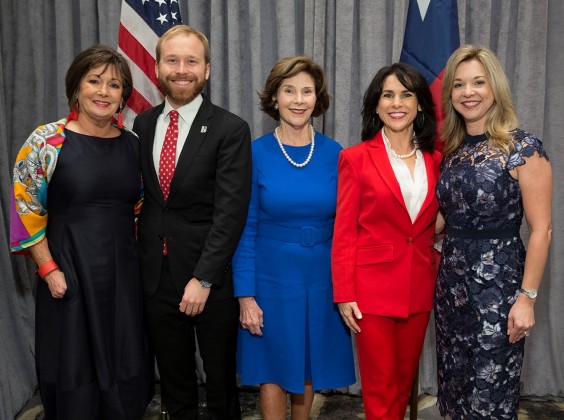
<point>308,236</point>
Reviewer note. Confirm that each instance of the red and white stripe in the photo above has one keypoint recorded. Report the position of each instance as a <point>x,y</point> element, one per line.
<point>137,43</point>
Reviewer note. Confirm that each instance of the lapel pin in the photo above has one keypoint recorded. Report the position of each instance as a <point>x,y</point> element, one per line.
<point>204,129</point>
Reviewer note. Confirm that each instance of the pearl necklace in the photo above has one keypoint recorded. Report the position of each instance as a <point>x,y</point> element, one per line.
<point>407,155</point>
<point>288,158</point>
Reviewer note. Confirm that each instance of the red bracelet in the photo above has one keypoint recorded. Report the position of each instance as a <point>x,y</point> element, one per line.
<point>47,268</point>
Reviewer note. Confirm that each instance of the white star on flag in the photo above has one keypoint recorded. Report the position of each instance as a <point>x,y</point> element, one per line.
<point>139,31</point>
<point>162,18</point>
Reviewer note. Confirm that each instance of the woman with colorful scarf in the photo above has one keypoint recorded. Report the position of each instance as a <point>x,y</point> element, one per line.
<point>76,189</point>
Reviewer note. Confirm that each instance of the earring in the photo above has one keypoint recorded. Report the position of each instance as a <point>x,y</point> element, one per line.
<point>420,119</point>
<point>275,106</point>
<point>74,110</point>
<point>375,118</point>
<point>120,115</point>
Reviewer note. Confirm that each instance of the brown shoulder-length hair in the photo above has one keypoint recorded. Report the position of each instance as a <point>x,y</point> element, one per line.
<point>424,125</point>
<point>501,119</point>
<point>91,57</point>
<point>289,67</point>
<point>183,30</point>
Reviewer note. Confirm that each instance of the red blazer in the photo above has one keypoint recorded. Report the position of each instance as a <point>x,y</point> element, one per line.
<point>380,259</point>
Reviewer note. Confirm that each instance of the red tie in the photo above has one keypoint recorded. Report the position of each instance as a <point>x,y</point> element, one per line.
<point>167,161</point>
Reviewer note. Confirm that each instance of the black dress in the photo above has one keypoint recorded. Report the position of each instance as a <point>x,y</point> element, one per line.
<point>92,357</point>
<point>479,279</point>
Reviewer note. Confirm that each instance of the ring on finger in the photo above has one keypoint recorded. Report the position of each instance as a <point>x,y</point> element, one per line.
<point>527,333</point>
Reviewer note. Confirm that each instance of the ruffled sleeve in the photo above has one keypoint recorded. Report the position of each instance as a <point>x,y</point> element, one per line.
<point>525,145</point>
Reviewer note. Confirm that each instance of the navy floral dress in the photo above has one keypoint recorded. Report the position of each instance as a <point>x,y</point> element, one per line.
<point>479,279</point>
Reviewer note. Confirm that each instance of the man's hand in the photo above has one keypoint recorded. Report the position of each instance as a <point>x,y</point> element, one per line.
<point>194,298</point>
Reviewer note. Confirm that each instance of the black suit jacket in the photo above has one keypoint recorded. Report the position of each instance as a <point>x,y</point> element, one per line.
<point>205,213</point>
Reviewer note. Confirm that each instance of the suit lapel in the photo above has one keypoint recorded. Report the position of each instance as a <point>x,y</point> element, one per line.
<point>148,145</point>
<point>196,136</point>
<point>379,157</point>
<point>431,181</point>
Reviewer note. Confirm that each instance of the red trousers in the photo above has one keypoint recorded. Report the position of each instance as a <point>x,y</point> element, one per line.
<point>388,356</point>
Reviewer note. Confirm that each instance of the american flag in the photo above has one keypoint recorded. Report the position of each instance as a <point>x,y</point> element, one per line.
<point>141,25</point>
<point>431,36</point>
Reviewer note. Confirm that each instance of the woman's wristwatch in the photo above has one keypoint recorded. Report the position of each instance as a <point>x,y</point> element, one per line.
<point>531,293</point>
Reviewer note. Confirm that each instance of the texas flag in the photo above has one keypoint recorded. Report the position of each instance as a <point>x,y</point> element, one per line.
<point>431,36</point>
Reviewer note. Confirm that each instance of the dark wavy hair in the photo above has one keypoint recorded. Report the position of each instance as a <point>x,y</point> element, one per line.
<point>92,57</point>
<point>289,67</point>
<point>424,125</point>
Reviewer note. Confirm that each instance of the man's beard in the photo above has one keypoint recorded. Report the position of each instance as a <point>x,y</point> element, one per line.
<point>182,95</point>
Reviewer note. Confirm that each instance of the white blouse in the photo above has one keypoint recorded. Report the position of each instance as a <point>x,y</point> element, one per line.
<point>414,190</point>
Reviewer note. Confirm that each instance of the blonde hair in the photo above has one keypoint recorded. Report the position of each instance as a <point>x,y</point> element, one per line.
<point>501,118</point>
<point>183,30</point>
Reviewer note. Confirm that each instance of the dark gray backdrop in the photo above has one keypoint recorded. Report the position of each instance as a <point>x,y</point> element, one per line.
<point>352,39</point>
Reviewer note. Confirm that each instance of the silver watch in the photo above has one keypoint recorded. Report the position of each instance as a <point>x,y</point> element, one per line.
<point>205,284</point>
<point>531,293</point>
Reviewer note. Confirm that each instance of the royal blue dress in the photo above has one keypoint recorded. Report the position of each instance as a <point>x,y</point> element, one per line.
<point>479,279</point>
<point>283,260</point>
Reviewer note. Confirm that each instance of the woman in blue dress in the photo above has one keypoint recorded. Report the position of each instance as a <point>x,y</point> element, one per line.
<point>492,173</point>
<point>292,339</point>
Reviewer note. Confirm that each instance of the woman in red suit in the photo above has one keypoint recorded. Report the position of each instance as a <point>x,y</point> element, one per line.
<point>383,262</point>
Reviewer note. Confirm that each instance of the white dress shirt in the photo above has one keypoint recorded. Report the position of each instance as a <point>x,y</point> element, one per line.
<point>413,189</point>
<point>186,115</point>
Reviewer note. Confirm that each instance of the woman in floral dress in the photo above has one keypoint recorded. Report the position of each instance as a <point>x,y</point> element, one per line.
<point>492,173</point>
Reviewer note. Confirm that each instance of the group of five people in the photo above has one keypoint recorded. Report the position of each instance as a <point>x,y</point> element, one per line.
<point>280,247</point>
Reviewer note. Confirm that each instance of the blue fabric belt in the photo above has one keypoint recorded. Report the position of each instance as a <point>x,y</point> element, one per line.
<point>509,232</point>
<point>305,236</point>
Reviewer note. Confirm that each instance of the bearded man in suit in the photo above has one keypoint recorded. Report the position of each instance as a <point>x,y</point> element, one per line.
<point>196,164</point>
